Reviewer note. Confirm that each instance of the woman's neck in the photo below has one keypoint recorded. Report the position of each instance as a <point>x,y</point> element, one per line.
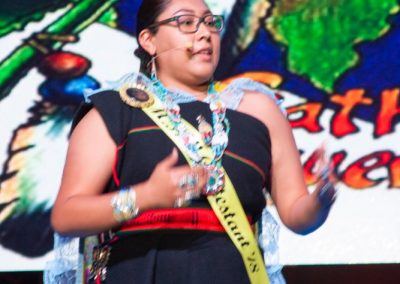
<point>199,91</point>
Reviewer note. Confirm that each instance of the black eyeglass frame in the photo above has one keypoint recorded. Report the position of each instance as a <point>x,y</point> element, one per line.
<point>201,20</point>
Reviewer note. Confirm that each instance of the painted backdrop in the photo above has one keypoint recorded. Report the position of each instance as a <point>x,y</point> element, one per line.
<point>334,63</point>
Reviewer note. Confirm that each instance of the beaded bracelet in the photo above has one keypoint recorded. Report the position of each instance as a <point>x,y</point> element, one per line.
<point>124,204</point>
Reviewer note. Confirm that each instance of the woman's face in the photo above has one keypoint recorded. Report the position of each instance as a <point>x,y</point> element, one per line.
<point>186,57</point>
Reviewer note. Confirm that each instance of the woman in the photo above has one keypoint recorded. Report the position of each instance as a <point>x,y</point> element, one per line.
<point>124,173</point>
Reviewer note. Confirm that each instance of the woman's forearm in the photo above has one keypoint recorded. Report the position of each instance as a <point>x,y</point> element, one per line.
<point>307,214</point>
<point>86,215</point>
<point>83,215</point>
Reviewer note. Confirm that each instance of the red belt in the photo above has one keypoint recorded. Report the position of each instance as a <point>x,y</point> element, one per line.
<point>176,218</point>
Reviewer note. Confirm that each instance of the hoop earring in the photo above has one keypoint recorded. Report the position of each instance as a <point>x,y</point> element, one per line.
<point>153,70</point>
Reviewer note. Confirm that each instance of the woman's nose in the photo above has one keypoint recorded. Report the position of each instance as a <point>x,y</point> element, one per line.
<point>203,31</point>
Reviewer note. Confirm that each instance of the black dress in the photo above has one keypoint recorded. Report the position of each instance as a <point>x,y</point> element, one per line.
<point>169,253</point>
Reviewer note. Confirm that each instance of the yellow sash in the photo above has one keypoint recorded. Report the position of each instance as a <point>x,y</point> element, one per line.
<point>225,203</point>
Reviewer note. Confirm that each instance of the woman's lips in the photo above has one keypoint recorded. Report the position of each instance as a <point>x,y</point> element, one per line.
<point>203,53</point>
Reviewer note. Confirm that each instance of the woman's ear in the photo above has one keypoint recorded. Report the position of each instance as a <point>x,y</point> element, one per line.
<point>146,41</point>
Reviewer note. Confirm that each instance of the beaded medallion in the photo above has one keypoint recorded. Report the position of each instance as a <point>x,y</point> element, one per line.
<point>136,95</point>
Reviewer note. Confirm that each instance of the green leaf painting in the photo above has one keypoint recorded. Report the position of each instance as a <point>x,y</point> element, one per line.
<point>320,35</point>
<point>16,14</point>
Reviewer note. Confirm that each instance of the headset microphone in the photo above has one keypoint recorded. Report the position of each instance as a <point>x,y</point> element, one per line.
<point>187,47</point>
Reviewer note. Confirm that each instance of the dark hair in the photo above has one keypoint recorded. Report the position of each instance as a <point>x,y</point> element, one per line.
<point>147,14</point>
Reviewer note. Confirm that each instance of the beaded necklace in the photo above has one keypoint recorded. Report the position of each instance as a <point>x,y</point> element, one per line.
<point>215,136</point>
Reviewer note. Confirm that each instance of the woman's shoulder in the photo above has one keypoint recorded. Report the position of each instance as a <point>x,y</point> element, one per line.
<point>244,88</point>
<point>254,99</point>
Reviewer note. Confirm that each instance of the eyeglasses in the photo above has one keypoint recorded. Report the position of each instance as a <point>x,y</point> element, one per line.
<point>190,23</point>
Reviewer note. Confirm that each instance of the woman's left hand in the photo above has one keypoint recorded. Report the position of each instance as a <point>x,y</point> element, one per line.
<point>326,183</point>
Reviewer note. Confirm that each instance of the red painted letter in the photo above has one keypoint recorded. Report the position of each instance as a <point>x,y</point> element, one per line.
<point>309,119</point>
<point>356,174</point>
<point>341,123</point>
<point>389,108</point>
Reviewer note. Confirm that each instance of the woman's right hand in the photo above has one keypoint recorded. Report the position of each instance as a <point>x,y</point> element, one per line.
<point>163,188</point>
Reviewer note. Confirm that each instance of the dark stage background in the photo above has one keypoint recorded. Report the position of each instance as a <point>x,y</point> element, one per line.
<point>326,274</point>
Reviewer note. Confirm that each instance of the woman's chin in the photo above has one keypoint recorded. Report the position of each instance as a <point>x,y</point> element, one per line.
<point>201,80</point>
<point>204,76</point>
